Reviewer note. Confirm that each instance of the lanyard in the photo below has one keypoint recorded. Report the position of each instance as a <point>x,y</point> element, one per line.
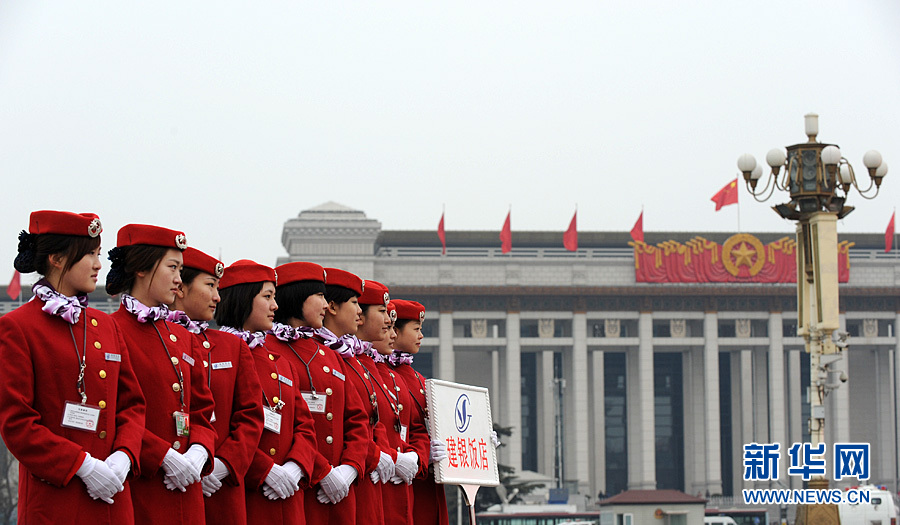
<point>371,393</point>
<point>306,364</point>
<point>176,367</point>
<point>82,360</point>
<point>394,406</point>
<point>277,400</point>
<point>208,360</point>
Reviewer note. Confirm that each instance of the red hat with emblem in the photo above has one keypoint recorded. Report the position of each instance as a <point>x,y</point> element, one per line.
<point>194,258</point>
<point>337,277</point>
<point>293,272</point>
<point>247,271</point>
<point>132,234</point>
<point>410,310</point>
<point>375,293</point>
<point>64,223</point>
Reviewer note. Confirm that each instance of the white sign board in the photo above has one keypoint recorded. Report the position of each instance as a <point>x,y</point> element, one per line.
<point>460,416</point>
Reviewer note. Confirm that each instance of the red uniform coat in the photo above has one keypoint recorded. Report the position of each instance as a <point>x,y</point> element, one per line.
<point>39,370</point>
<point>153,502</point>
<point>429,501</point>
<point>231,376</point>
<point>296,442</point>
<point>342,438</point>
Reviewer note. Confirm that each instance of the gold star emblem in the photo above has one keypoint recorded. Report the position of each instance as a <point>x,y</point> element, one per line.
<point>743,255</point>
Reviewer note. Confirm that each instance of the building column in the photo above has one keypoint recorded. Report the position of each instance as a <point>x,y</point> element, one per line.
<point>895,388</point>
<point>713,474</point>
<point>512,392</point>
<point>777,404</point>
<point>641,409</point>
<point>577,421</point>
<point>694,419</point>
<point>598,399</point>
<point>760,396</point>
<point>884,408</point>
<point>547,412</point>
<point>742,411</point>
<point>445,362</point>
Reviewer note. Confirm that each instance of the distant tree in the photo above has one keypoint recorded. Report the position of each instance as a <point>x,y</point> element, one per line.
<point>9,485</point>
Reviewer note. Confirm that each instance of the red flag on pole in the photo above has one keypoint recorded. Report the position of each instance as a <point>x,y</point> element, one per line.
<point>727,195</point>
<point>506,235</point>
<point>637,232</point>
<point>15,286</point>
<point>570,238</point>
<point>889,234</point>
<point>442,236</point>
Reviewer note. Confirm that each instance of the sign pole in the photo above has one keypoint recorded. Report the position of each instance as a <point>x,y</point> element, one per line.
<point>469,492</point>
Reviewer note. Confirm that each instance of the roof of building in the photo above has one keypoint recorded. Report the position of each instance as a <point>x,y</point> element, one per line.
<point>651,497</point>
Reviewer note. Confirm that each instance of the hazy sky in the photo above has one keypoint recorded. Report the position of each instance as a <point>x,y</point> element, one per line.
<point>226,119</point>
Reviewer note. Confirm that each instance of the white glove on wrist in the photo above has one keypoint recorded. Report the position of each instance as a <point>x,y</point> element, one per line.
<point>385,469</point>
<point>120,464</point>
<point>438,451</point>
<point>213,481</point>
<point>294,472</point>
<point>179,471</point>
<point>495,439</point>
<point>406,467</point>
<point>279,483</point>
<point>334,487</point>
<point>198,456</point>
<point>348,474</point>
<point>101,482</point>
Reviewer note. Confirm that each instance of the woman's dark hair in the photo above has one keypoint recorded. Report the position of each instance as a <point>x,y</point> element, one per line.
<point>365,307</point>
<point>291,297</point>
<point>400,323</point>
<point>236,304</point>
<point>35,250</point>
<point>338,294</point>
<point>189,274</point>
<point>127,261</point>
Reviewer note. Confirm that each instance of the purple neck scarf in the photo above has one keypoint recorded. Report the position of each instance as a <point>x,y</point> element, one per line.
<point>253,339</point>
<point>288,333</point>
<point>400,358</point>
<point>194,327</point>
<point>338,344</point>
<point>55,303</point>
<point>143,312</point>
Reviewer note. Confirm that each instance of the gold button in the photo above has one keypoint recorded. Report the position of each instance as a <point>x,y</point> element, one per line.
<point>421,391</point>
<point>272,451</point>
<point>206,344</point>
<point>366,375</point>
<point>275,400</point>
<point>102,404</point>
<point>274,375</point>
<point>272,357</point>
<point>397,388</point>
<point>326,369</point>
<point>329,440</point>
<point>176,387</point>
<point>398,449</point>
<point>205,364</point>
<point>176,445</point>
<point>101,434</point>
<point>103,374</point>
<point>401,406</point>
<point>321,351</point>
<point>173,338</point>
<point>97,345</point>
<point>174,360</point>
<point>94,322</point>
<point>328,391</point>
<point>329,416</point>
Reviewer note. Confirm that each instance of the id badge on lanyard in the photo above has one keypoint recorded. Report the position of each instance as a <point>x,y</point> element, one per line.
<point>315,402</point>
<point>182,423</point>
<point>81,417</point>
<point>273,420</point>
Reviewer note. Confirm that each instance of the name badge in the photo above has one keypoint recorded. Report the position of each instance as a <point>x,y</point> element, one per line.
<point>188,359</point>
<point>221,365</point>
<point>273,420</point>
<point>338,374</point>
<point>82,417</point>
<point>285,380</point>
<point>315,402</point>
<point>403,429</point>
<point>182,423</point>
<point>114,357</point>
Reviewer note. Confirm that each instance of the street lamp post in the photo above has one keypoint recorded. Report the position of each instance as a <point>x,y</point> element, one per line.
<point>819,180</point>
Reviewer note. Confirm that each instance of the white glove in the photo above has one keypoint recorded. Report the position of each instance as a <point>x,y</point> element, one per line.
<point>278,483</point>
<point>406,468</point>
<point>198,456</point>
<point>334,487</point>
<point>213,481</point>
<point>120,464</point>
<point>495,439</point>
<point>294,472</point>
<point>179,471</point>
<point>348,473</point>
<point>438,451</point>
<point>101,482</point>
<point>384,471</point>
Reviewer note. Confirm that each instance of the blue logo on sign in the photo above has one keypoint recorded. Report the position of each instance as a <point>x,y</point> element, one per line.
<point>463,415</point>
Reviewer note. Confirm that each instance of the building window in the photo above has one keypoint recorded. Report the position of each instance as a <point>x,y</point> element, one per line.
<point>789,328</point>
<point>662,328</point>
<point>759,328</point>
<point>726,328</point>
<point>725,422</point>
<point>529,390</point>
<point>616,420</point>
<point>669,418</point>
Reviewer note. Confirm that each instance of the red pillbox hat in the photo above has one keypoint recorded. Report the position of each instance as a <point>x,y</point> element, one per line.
<point>299,271</point>
<point>375,293</point>
<point>64,223</point>
<point>409,310</point>
<point>132,234</point>
<point>247,271</point>
<point>337,277</point>
<point>194,258</point>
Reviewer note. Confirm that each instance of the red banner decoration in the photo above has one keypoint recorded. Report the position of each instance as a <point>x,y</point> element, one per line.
<point>742,259</point>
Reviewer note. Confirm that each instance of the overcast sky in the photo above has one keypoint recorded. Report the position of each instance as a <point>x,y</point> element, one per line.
<point>225,119</point>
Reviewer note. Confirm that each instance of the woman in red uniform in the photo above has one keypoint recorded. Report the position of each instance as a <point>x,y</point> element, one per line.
<point>178,439</point>
<point>231,376</point>
<point>70,404</point>
<point>338,412</point>
<point>286,451</point>
<point>429,501</point>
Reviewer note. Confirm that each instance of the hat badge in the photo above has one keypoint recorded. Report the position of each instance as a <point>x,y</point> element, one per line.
<point>220,270</point>
<point>324,274</point>
<point>94,228</point>
<point>181,241</point>
<point>393,315</point>
<point>362,285</point>
<point>421,316</point>
<point>276,276</point>
<point>387,299</point>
